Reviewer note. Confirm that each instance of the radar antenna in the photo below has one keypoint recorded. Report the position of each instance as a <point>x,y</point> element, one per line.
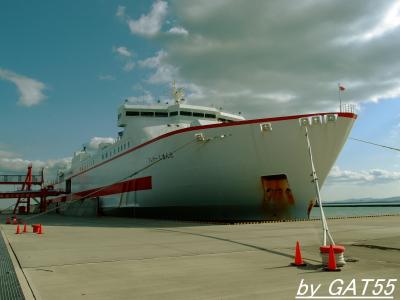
<point>178,93</point>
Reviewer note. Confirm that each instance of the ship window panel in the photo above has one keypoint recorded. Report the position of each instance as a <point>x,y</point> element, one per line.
<point>211,116</point>
<point>132,113</point>
<point>161,114</point>
<point>173,113</point>
<point>147,113</point>
<point>185,113</point>
<point>196,114</point>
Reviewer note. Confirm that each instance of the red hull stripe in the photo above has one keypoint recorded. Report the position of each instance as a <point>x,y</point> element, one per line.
<point>238,123</point>
<point>19,182</point>
<point>137,184</point>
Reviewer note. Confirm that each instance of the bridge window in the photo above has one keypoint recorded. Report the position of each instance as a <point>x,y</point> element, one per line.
<point>185,113</point>
<point>132,113</point>
<point>147,113</point>
<point>196,114</point>
<point>211,116</point>
<point>173,113</point>
<point>161,114</point>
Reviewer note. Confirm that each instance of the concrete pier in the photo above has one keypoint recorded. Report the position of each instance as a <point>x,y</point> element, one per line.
<point>121,258</point>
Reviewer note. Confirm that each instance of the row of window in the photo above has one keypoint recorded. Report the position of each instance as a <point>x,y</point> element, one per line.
<point>116,150</point>
<point>171,114</point>
<point>107,155</point>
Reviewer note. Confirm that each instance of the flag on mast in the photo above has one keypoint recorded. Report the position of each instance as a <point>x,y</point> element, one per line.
<point>341,87</point>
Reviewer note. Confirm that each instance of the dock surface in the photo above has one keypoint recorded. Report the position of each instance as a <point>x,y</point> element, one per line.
<point>121,258</point>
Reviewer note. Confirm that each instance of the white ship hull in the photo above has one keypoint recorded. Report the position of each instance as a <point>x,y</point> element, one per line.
<point>222,176</point>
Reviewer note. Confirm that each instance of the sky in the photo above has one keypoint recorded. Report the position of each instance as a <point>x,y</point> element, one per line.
<point>66,66</point>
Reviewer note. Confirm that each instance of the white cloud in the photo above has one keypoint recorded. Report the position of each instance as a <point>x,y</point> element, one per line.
<point>150,24</point>
<point>146,98</point>
<point>287,58</point>
<point>390,93</point>
<point>125,55</point>
<point>129,66</point>
<point>154,61</point>
<point>106,77</point>
<point>122,51</point>
<point>120,11</point>
<point>96,141</point>
<point>164,72</point>
<point>7,154</point>
<point>390,21</point>
<point>178,30</point>
<point>373,176</point>
<point>30,90</point>
<point>280,97</point>
<point>19,165</point>
<point>291,58</point>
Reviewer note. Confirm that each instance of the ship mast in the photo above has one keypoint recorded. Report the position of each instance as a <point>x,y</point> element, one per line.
<point>178,93</point>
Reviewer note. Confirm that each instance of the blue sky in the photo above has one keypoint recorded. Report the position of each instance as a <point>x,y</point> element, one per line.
<point>66,66</point>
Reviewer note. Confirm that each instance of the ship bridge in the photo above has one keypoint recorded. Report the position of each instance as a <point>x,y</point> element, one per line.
<point>144,122</point>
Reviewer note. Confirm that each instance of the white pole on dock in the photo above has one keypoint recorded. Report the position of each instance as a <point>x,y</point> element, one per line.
<point>326,232</point>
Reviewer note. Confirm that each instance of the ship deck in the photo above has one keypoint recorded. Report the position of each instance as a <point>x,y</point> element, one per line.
<point>121,258</point>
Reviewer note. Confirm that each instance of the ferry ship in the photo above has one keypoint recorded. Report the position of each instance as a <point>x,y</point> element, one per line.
<point>180,160</point>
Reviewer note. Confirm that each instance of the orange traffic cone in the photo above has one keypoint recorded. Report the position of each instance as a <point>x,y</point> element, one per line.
<point>24,231</point>
<point>298,260</point>
<point>18,230</point>
<point>332,261</point>
<point>15,220</point>
<point>8,221</point>
<point>40,229</point>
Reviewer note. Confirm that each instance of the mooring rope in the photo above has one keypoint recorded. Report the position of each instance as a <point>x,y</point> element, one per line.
<point>5,209</point>
<point>375,144</point>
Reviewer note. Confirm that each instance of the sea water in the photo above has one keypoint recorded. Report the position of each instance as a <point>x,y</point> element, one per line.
<point>343,211</point>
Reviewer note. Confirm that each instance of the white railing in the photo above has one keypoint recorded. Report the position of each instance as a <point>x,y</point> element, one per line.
<point>348,108</point>
<point>19,178</point>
